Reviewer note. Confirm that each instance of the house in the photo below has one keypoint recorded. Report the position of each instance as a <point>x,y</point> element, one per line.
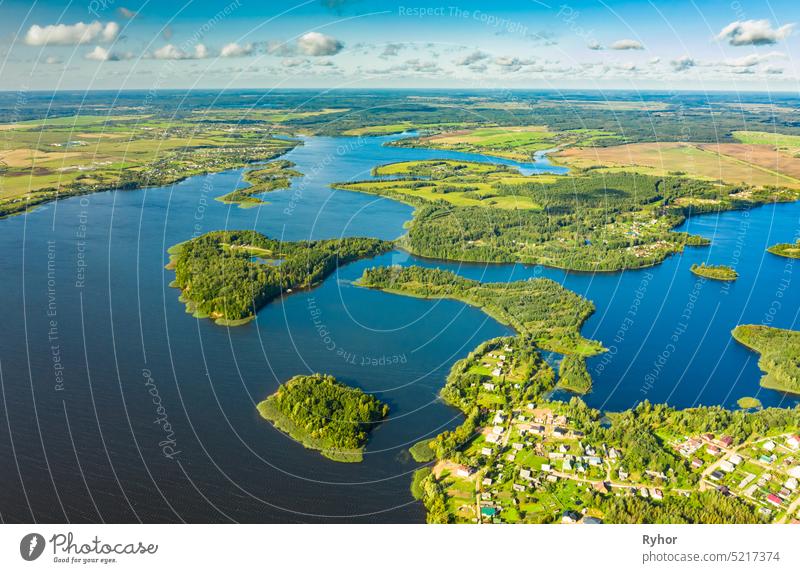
<point>517,446</point>
<point>724,490</point>
<point>492,438</point>
<point>525,474</point>
<point>622,474</point>
<point>464,471</point>
<point>795,472</point>
<point>487,482</point>
<point>560,432</point>
<point>488,511</point>
<point>697,463</point>
<point>793,442</point>
<point>613,454</point>
<point>725,441</point>
<point>486,451</point>
<point>497,430</point>
<point>712,449</point>
<point>735,459</point>
<point>569,516</point>
<point>791,483</point>
<point>594,461</point>
<point>567,467</point>
<point>546,467</point>
<point>601,487</point>
<point>518,487</point>
<point>726,466</point>
<point>774,500</point>
<point>644,493</point>
<point>537,429</point>
<point>499,418</point>
<point>657,494</point>
<point>488,386</point>
<point>708,437</point>
<point>716,475</point>
<point>765,459</point>
<point>769,445</point>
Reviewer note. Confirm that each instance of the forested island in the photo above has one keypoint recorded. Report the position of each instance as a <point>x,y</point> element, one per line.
<point>590,221</point>
<point>789,250</point>
<point>228,275</point>
<point>273,176</point>
<point>715,272</point>
<point>323,414</point>
<point>780,354</point>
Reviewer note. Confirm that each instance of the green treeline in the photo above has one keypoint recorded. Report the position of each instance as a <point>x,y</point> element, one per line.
<point>780,354</point>
<point>541,308</point>
<point>324,414</point>
<point>229,275</point>
<point>708,507</point>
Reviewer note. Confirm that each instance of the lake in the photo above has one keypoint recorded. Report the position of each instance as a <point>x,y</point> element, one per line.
<point>119,406</point>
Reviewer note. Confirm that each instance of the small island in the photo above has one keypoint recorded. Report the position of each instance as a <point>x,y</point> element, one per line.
<point>780,354</point>
<point>323,414</point>
<point>715,272</point>
<point>789,250</point>
<point>228,275</point>
<point>272,176</point>
<point>748,403</point>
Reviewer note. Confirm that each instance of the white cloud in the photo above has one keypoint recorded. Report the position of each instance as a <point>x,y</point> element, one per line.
<point>172,52</point>
<point>316,44</point>
<point>595,46</point>
<point>71,35</point>
<point>390,50</point>
<point>683,63</point>
<point>753,60</point>
<point>294,62</point>
<point>126,13</point>
<point>472,58</point>
<point>51,60</point>
<point>753,33</point>
<point>654,61</point>
<point>234,50</point>
<point>627,45</point>
<point>100,54</point>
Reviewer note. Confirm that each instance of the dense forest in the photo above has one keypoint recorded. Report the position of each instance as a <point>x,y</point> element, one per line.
<point>324,414</point>
<point>229,275</point>
<point>590,221</point>
<point>780,354</point>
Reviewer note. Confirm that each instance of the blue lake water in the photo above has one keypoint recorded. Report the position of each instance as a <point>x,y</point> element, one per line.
<point>103,373</point>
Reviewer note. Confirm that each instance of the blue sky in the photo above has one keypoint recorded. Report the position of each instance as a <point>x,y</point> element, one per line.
<point>144,44</point>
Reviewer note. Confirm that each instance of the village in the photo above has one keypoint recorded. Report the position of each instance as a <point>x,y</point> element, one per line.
<point>530,463</point>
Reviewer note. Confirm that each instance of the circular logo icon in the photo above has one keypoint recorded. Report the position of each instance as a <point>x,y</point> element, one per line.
<point>31,546</point>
